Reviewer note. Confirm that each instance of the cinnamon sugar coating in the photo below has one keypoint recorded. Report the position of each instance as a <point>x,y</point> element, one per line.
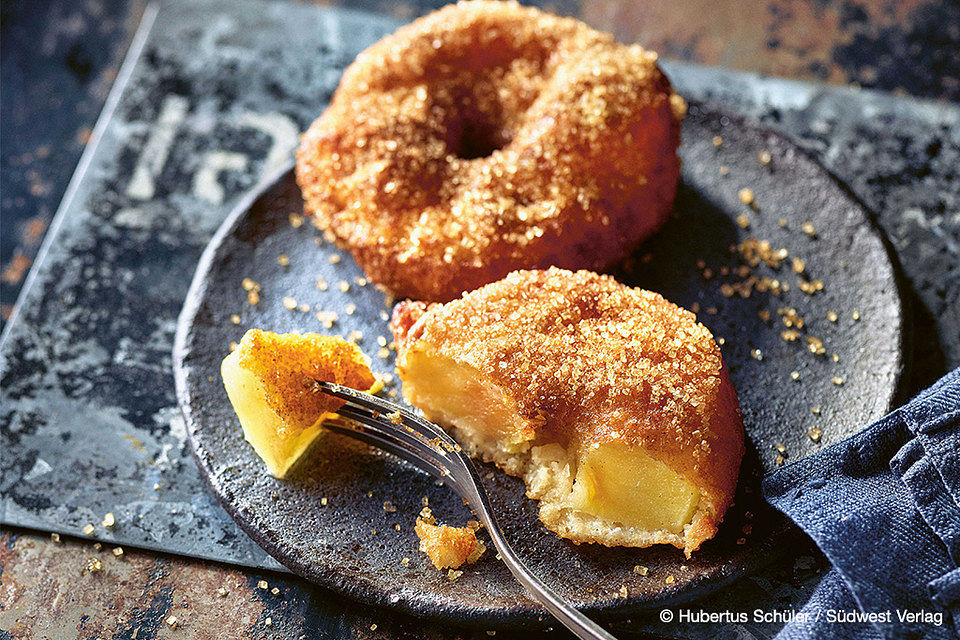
<point>587,361</point>
<point>289,364</point>
<point>487,137</point>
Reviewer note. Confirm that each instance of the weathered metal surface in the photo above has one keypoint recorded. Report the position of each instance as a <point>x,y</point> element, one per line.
<point>328,522</point>
<point>48,592</point>
<point>89,418</point>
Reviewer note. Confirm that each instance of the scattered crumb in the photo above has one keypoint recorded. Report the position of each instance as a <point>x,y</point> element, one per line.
<point>283,260</point>
<point>447,547</point>
<point>814,434</point>
<point>746,196</point>
<point>88,529</point>
<point>108,520</point>
<point>118,552</point>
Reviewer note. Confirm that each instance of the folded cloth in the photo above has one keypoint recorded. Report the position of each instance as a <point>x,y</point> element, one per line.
<point>884,507</point>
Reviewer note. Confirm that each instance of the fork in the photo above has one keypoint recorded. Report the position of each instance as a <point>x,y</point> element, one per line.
<point>392,428</point>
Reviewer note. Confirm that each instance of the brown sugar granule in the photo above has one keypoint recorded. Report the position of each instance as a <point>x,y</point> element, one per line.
<point>814,434</point>
<point>746,196</point>
<point>790,317</point>
<point>717,141</point>
<point>743,221</point>
<point>815,346</point>
<point>754,251</point>
<point>832,316</point>
<point>283,260</point>
<point>808,228</point>
<point>764,157</point>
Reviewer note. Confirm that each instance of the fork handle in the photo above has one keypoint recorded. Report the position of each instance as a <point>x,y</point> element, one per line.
<point>581,626</point>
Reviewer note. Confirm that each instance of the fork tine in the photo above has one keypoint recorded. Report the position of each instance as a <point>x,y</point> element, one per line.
<point>379,440</point>
<point>380,405</point>
<point>397,432</point>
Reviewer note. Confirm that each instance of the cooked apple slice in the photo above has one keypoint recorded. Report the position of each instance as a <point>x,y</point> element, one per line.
<point>271,382</point>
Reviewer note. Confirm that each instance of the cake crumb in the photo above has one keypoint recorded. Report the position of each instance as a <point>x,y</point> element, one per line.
<point>447,547</point>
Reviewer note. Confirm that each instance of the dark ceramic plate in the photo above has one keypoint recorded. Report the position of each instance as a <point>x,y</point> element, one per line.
<point>351,544</point>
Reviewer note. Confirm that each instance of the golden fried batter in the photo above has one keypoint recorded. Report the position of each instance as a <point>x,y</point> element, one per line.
<point>487,137</point>
<point>612,403</point>
<point>271,380</point>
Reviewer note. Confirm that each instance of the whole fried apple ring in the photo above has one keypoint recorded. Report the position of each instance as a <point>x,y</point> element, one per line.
<point>487,137</point>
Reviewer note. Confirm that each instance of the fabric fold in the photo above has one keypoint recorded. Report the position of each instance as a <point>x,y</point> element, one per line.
<point>882,506</point>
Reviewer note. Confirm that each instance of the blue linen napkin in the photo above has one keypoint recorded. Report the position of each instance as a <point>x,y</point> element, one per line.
<point>884,507</point>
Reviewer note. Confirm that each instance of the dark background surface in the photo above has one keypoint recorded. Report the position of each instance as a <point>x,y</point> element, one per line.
<point>59,61</point>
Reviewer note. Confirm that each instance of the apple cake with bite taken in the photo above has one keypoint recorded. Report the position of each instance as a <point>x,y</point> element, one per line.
<point>611,403</point>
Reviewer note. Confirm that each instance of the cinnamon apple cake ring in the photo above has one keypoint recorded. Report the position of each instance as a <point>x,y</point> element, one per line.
<point>487,137</point>
<point>611,403</point>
